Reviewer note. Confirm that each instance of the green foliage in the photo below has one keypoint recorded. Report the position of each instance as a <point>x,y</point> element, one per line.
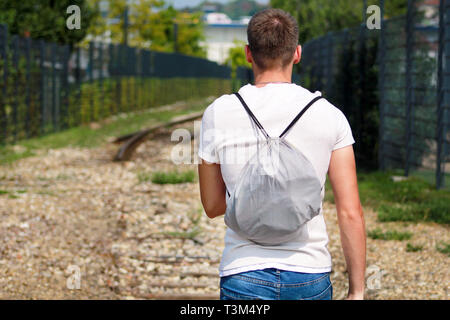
<point>411,200</point>
<point>236,57</point>
<point>152,26</point>
<point>355,88</point>
<point>191,234</point>
<point>46,19</point>
<point>95,103</point>
<point>143,177</point>
<point>173,177</point>
<point>389,235</point>
<point>234,9</point>
<point>189,35</point>
<point>352,86</point>
<point>318,17</point>
<point>444,247</point>
<point>436,210</point>
<point>423,77</point>
<point>413,248</point>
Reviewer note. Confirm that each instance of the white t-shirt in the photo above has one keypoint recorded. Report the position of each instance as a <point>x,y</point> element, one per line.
<point>228,136</point>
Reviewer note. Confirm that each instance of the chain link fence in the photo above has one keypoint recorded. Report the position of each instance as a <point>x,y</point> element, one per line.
<point>46,87</point>
<point>393,86</point>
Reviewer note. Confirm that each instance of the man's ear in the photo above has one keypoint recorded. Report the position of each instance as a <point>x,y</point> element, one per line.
<point>248,54</point>
<point>298,54</point>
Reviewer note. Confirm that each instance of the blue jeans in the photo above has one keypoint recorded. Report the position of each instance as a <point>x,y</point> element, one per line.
<point>275,284</point>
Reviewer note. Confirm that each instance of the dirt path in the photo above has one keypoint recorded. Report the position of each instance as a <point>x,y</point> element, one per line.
<point>134,239</point>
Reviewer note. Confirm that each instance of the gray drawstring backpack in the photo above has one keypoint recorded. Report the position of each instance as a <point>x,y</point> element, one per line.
<point>277,191</point>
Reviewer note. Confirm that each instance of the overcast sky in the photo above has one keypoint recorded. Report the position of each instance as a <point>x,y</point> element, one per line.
<point>191,3</point>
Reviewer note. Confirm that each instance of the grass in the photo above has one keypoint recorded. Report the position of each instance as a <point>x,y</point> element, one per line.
<point>86,137</point>
<point>444,248</point>
<point>191,234</point>
<point>11,194</point>
<point>411,200</point>
<point>413,248</point>
<point>430,177</point>
<point>143,177</point>
<point>173,177</point>
<point>389,235</point>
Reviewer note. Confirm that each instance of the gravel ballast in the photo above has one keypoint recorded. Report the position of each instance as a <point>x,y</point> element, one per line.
<point>71,209</point>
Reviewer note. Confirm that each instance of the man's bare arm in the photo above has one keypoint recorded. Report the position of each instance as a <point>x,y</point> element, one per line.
<point>212,189</point>
<point>342,174</point>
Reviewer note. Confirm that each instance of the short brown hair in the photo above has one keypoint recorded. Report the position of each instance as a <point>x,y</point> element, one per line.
<point>272,37</point>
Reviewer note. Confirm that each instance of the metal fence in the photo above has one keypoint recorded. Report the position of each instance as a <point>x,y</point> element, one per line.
<point>393,85</point>
<point>46,87</point>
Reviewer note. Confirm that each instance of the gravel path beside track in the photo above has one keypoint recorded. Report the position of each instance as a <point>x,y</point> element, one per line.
<point>132,239</point>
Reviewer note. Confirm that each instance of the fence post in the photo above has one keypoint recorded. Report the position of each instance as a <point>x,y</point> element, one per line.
<point>442,102</point>
<point>79,117</point>
<point>362,78</point>
<point>42,89</point>
<point>119,77</point>
<point>4,56</point>
<point>330,57</point>
<point>347,100</point>
<point>409,84</point>
<point>128,76</point>
<point>28,85</point>
<point>381,77</point>
<point>15,65</point>
<point>91,81</point>
<point>135,57</point>
<point>110,77</point>
<point>64,102</point>
<point>102,112</point>
<point>54,117</point>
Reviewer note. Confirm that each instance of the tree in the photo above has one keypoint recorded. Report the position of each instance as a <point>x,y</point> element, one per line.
<point>188,37</point>
<point>318,17</point>
<point>46,19</point>
<point>236,57</point>
<point>152,26</point>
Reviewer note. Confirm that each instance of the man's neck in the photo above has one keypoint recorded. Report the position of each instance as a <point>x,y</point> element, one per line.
<point>272,76</point>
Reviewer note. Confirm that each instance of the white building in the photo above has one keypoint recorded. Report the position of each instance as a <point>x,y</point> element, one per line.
<point>220,34</point>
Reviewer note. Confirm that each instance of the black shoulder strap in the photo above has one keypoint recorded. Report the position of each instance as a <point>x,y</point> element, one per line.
<point>299,115</point>
<point>250,113</point>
